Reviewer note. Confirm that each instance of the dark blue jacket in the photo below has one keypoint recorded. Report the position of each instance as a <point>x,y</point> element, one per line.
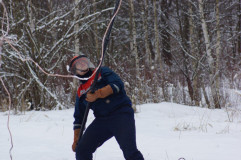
<point>117,102</point>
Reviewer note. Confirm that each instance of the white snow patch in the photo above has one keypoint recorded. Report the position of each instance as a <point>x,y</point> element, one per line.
<point>165,131</point>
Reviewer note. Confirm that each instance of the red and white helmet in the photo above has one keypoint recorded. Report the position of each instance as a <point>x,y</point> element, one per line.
<point>81,63</point>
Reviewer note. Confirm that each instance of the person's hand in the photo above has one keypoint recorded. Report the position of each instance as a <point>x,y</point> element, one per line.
<point>91,97</point>
<point>100,93</point>
<point>76,138</point>
<point>74,146</point>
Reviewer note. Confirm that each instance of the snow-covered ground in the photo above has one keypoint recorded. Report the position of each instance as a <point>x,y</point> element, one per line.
<point>165,131</point>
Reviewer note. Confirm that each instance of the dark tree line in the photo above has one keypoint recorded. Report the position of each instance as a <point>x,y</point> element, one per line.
<point>186,52</point>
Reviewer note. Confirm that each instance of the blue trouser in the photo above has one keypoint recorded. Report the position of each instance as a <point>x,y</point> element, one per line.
<point>121,126</point>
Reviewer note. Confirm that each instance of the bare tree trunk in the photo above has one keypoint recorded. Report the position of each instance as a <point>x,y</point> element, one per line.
<point>76,48</point>
<point>97,47</point>
<point>158,59</point>
<point>30,12</point>
<point>30,27</point>
<point>157,40</point>
<point>134,42</point>
<point>192,51</point>
<point>218,50</point>
<point>205,96</point>
<point>239,30</point>
<point>133,46</point>
<point>165,36</point>
<point>76,28</point>
<point>212,73</point>
<point>144,17</point>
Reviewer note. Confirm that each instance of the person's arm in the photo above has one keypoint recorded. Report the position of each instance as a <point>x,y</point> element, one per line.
<point>78,117</point>
<point>113,80</point>
<point>114,85</point>
<point>78,113</point>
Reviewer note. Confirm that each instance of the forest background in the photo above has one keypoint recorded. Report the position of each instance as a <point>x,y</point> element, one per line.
<point>181,51</point>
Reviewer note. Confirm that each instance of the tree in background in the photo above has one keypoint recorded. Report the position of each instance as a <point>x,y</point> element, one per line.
<point>185,52</point>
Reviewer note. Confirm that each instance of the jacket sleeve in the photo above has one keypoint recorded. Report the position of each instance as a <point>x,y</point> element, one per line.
<point>78,113</point>
<point>112,79</point>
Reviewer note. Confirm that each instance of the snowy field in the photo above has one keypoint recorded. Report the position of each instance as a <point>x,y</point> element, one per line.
<point>165,131</point>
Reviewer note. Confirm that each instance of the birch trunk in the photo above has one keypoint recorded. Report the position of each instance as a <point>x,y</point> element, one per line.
<point>36,95</point>
<point>239,29</point>
<point>133,46</point>
<point>76,28</point>
<point>205,96</point>
<point>158,59</point>
<point>97,47</point>
<point>76,48</point>
<point>209,57</point>
<point>218,50</point>
<point>134,42</point>
<point>192,51</point>
<point>30,12</point>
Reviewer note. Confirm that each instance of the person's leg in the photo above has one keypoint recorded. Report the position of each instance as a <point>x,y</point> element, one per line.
<point>125,134</point>
<point>95,135</point>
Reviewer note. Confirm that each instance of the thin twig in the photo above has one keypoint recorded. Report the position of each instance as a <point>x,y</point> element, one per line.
<point>9,108</point>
